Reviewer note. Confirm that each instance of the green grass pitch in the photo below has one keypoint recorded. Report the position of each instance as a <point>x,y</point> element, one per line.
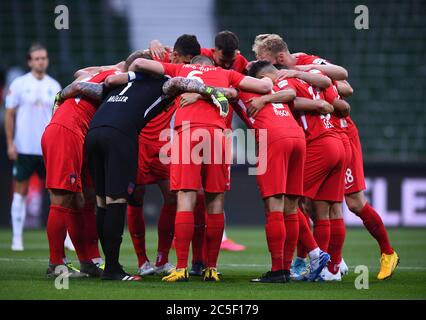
<point>22,274</point>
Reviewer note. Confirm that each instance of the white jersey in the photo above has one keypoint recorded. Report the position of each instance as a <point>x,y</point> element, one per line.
<point>33,100</point>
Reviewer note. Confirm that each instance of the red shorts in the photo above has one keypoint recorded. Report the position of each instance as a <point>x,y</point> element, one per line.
<point>150,167</point>
<point>348,148</point>
<point>284,168</point>
<point>203,158</point>
<point>63,158</point>
<point>324,169</point>
<point>354,177</point>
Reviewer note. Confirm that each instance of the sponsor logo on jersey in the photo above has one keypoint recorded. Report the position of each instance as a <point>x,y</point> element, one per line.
<point>280,110</point>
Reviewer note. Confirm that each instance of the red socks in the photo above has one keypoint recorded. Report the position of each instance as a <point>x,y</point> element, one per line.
<point>56,233</point>
<point>91,232</point>
<point>275,237</point>
<point>136,225</point>
<point>322,233</point>
<point>374,224</point>
<point>198,240</point>
<point>76,230</point>
<point>292,235</point>
<point>184,230</point>
<point>306,237</point>
<point>166,230</point>
<point>214,233</point>
<point>337,239</point>
<point>302,252</point>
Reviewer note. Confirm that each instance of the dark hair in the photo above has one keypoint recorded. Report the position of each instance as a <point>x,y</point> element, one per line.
<point>280,66</point>
<point>259,66</point>
<point>35,47</point>
<point>204,60</point>
<point>187,44</point>
<point>227,42</point>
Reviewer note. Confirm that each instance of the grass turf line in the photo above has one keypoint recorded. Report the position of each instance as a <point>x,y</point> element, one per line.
<point>22,274</point>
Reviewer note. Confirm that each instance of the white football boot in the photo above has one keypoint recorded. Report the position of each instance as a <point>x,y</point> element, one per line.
<point>326,275</point>
<point>165,269</point>
<point>146,269</point>
<point>344,269</point>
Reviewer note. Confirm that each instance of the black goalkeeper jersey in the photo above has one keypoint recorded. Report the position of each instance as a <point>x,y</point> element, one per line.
<point>130,107</point>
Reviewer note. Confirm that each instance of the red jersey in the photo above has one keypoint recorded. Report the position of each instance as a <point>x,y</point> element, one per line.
<point>314,124</point>
<point>202,113</point>
<point>274,117</point>
<point>76,113</point>
<point>338,122</point>
<point>350,122</point>
<point>239,65</point>
<point>150,134</point>
<point>304,59</point>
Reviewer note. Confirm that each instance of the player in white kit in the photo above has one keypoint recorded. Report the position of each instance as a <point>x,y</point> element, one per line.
<point>28,110</point>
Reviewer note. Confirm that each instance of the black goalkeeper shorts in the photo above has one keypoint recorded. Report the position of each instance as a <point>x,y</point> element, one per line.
<point>113,161</point>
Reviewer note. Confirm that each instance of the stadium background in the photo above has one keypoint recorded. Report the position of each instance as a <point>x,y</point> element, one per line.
<point>385,64</point>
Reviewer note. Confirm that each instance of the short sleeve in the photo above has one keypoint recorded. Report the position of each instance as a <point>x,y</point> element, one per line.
<point>13,95</point>
<point>318,60</point>
<point>171,69</point>
<point>235,78</point>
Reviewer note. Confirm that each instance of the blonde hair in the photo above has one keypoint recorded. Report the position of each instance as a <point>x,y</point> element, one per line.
<point>269,42</point>
<point>135,55</point>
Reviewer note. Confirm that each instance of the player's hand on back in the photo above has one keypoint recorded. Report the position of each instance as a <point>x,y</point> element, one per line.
<point>189,98</point>
<point>324,107</point>
<point>254,106</point>
<point>157,49</point>
<point>284,74</point>
<point>115,80</point>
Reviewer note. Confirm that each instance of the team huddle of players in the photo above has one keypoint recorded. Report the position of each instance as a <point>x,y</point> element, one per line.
<point>111,122</point>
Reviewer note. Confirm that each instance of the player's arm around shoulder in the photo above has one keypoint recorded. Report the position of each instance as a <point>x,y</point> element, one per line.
<point>119,79</point>
<point>314,77</point>
<point>142,64</point>
<point>263,85</point>
<point>309,105</point>
<point>344,88</point>
<point>280,96</point>
<point>333,71</point>
<point>78,87</point>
